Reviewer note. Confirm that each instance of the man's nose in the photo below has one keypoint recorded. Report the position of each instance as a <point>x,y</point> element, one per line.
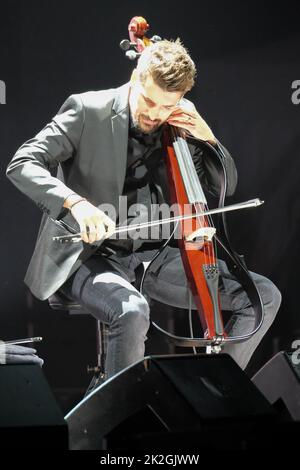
<point>154,114</point>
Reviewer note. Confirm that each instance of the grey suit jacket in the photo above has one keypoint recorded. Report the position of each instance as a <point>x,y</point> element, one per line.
<point>85,146</point>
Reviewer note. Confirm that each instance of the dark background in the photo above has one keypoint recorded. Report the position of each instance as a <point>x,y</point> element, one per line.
<point>247,56</point>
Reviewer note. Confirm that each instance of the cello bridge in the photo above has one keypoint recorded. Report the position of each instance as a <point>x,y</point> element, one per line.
<point>202,234</point>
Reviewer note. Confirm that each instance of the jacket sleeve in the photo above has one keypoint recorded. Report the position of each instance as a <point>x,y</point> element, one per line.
<point>29,169</point>
<point>205,165</point>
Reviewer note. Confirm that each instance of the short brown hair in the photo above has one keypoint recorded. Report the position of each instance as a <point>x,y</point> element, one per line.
<point>169,64</point>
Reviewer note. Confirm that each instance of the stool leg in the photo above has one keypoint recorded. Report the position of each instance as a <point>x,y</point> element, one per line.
<point>99,371</point>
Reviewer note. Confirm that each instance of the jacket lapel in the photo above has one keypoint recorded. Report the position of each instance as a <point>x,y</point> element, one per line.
<point>120,122</point>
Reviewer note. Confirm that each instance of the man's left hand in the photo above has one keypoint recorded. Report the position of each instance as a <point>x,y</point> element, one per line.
<point>189,119</point>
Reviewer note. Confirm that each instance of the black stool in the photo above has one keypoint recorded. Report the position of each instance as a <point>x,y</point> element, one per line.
<point>59,301</point>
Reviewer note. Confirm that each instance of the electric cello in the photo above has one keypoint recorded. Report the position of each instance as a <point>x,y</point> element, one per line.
<point>199,238</point>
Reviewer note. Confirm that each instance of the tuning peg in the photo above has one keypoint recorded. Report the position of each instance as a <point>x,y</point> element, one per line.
<point>132,55</point>
<point>125,44</point>
<point>155,38</point>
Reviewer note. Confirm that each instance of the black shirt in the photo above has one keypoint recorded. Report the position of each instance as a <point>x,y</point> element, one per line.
<point>142,189</point>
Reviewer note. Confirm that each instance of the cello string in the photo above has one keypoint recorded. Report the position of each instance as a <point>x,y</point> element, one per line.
<point>205,249</point>
<point>182,144</point>
<point>208,245</point>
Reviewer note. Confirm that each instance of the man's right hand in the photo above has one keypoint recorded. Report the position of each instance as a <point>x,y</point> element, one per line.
<point>94,224</point>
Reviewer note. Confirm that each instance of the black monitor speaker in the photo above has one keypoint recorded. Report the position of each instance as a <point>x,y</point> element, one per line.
<point>279,381</point>
<point>29,415</point>
<point>164,399</point>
